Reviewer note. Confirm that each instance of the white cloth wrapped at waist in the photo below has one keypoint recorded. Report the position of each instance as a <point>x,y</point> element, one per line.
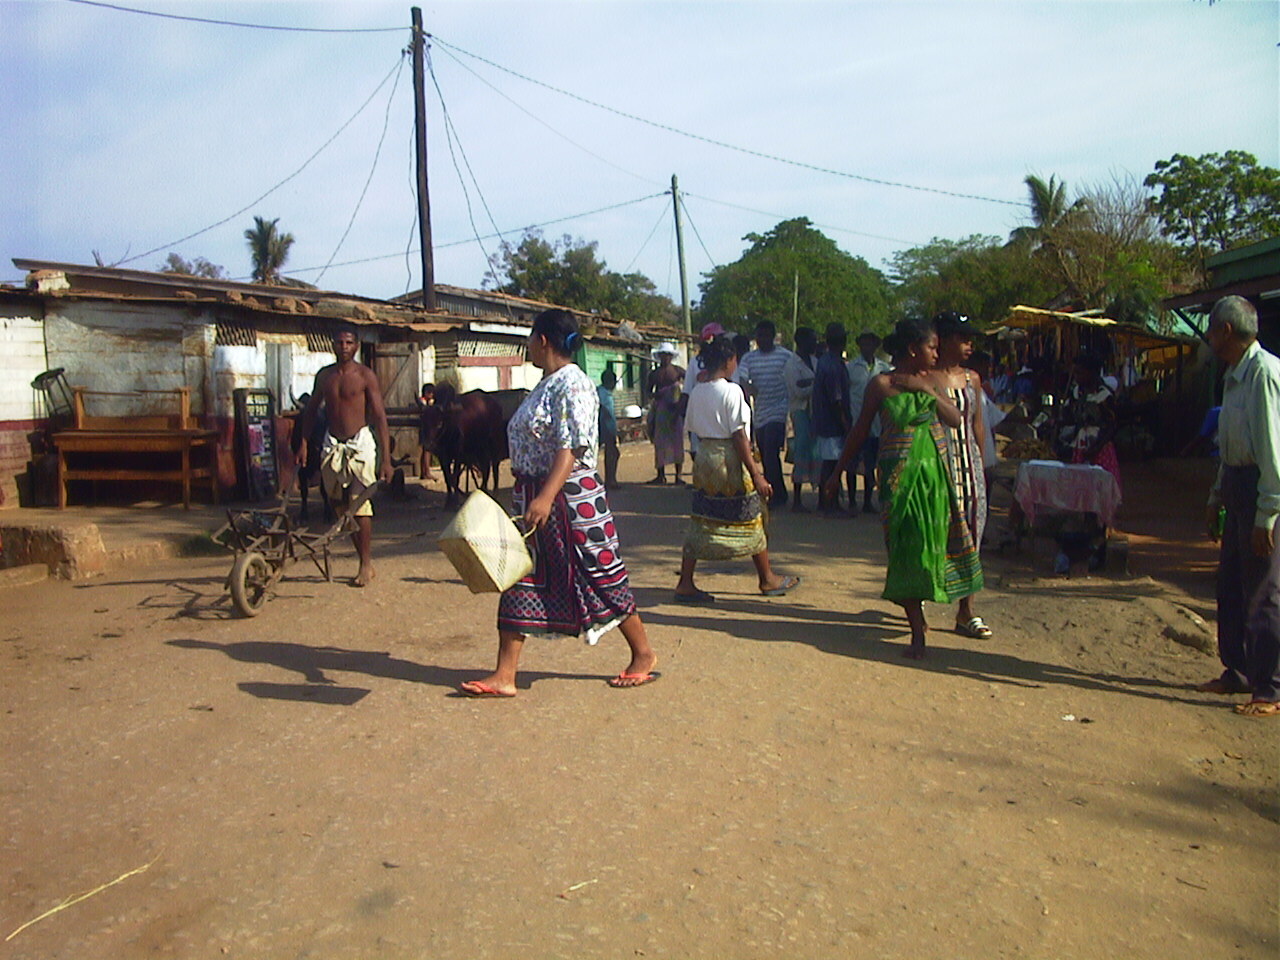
<point>342,455</point>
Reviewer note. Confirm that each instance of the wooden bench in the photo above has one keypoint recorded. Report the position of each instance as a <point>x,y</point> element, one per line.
<point>189,451</point>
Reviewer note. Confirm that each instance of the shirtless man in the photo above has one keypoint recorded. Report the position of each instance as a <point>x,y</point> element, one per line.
<point>349,458</point>
<point>666,425</point>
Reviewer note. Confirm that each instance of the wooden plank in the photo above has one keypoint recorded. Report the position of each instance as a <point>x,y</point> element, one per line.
<point>118,473</point>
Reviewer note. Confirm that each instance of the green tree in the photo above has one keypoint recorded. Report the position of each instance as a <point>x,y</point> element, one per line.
<point>979,276</point>
<point>796,264</point>
<point>568,272</point>
<point>1111,255</point>
<point>199,267</point>
<point>1216,201</point>
<point>633,296</point>
<point>268,248</point>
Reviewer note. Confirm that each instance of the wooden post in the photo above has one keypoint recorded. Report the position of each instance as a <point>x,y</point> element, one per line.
<point>420,139</point>
<point>795,304</point>
<point>684,278</point>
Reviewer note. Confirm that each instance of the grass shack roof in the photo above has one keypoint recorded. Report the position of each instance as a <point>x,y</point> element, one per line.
<point>1160,352</point>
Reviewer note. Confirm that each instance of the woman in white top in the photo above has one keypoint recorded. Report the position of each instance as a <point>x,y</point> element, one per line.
<point>728,484</point>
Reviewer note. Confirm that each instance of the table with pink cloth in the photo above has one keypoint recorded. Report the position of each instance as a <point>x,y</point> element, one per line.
<point>1076,487</point>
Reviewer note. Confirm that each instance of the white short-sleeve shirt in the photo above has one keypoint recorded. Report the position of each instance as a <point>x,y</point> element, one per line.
<point>717,410</point>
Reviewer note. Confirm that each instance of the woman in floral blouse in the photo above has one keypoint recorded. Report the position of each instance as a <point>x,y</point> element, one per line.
<point>579,584</point>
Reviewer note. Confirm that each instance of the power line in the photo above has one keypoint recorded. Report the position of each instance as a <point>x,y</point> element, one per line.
<point>491,236</point>
<point>413,221</point>
<point>451,136</point>
<point>253,203</point>
<point>234,23</point>
<point>572,216</point>
<point>569,140</point>
<point>386,119</point>
<point>662,215</point>
<point>720,143</point>
<point>824,226</point>
<point>450,126</point>
<point>689,217</point>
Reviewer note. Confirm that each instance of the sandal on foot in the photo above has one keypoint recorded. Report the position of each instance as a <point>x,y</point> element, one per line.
<point>625,681</point>
<point>701,596</point>
<point>786,586</point>
<point>474,688</point>
<point>975,628</point>
<point>1258,708</point>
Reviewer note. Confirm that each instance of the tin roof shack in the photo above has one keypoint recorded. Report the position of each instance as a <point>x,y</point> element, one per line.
<point>1252,272</point>
<point>1158,401</point>
<point>490,355</point>
<point>502,319</point>
<point>22,408</point>
<point>122,331</point>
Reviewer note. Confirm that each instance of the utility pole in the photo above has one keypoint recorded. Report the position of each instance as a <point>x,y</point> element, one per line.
<point>795,304</point>
<point>420,137</point>
<point>684,278</point>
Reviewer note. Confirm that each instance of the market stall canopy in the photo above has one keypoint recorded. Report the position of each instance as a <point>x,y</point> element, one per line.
<point>1159,351</point>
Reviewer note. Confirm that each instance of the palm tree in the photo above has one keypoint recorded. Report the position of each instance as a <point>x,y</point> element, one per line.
<point>269,249</point>
<point>1049,211</point>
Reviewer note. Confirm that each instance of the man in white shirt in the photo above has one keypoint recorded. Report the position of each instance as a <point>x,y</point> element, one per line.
<point>862,369</point>
<point>1247,491</point>
<point>762,376</point>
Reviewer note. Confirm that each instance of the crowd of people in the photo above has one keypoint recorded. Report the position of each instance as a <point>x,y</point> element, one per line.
<point>733,407</point>
<point>916,427</point>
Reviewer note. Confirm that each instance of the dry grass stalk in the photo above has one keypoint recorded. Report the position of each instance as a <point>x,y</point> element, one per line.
<point>72,901</point>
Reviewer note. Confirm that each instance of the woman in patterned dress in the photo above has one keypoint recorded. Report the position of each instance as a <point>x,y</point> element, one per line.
<point>963,387</point>
<point>579,584</point>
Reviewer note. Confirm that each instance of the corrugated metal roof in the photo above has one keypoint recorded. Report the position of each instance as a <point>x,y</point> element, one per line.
<point>169,289</point>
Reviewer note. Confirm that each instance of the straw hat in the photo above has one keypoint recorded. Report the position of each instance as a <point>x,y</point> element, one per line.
<point>666,346</point>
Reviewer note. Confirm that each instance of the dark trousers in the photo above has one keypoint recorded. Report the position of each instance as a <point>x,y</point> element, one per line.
<point>1248,593</point>
<point>867,457</point>
<point>611,454</point>
<point>825,505</point>
<point>770,437</point>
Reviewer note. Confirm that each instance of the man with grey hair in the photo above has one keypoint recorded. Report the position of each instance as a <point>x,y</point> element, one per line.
<point>1247,495</point>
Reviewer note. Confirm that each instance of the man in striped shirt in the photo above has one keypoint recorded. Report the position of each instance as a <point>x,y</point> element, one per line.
<point>762,375</point>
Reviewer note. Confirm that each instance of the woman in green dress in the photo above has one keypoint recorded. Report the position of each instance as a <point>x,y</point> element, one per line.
<point>931,552</point>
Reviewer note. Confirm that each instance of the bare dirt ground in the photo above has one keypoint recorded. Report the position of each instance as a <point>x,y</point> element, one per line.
<point>307,783</point>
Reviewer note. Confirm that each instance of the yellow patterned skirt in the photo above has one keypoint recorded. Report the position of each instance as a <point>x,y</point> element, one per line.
<point>726,520</point>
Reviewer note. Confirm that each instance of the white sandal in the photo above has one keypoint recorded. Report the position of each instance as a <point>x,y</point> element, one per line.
<point>975,628</point>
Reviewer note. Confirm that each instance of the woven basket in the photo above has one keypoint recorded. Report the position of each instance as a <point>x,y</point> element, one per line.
<point>484,546</point>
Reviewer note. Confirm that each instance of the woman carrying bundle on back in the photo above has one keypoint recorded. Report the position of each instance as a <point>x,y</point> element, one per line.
<point>931,552</point>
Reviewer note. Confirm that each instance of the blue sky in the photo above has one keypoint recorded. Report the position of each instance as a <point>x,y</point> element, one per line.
<point>125,133</point>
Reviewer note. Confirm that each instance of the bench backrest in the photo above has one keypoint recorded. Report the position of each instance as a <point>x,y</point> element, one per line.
<point>177,417</point>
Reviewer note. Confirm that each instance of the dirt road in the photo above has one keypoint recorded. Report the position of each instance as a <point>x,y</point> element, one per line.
<point>307,784</point>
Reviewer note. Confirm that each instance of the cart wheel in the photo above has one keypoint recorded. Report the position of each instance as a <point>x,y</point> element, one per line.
<point>250,577</point>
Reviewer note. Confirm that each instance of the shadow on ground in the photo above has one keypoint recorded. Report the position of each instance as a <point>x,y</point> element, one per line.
<point>315,664</point>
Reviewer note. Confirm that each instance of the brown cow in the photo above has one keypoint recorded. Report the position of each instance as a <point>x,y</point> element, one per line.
<point>467,432</point>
